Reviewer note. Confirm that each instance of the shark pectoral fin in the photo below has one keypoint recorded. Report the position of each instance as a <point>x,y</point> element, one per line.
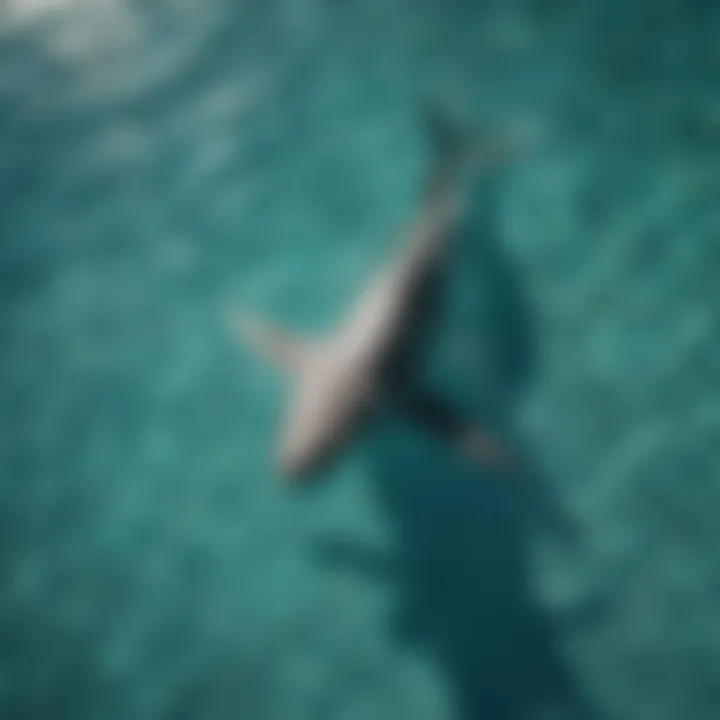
<point>272,343</point>
<point>486,449</point>
<point>439,417</point>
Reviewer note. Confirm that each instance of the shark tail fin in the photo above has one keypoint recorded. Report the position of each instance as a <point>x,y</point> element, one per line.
<point>489,150</point>
<point>450,145</point>
<point>287,352</point>
<point>448,138</point>
<point>457,148</point>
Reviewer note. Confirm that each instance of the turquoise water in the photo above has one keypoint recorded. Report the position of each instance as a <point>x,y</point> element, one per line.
<point>163,161</point>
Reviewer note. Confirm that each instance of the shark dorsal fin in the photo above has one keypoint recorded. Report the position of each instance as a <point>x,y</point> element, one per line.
<point>290,353</point>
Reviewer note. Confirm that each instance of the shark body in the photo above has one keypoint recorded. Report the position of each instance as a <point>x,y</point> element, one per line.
<point>340,378</point>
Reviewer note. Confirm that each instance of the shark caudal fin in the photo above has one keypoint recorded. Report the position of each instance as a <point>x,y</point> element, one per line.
<point>269,342</point>
<point>498,147</point>
<point>457,149</point>
<point>450,147</point>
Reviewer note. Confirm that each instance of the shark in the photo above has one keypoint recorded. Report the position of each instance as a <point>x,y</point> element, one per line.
<point>340,379</point>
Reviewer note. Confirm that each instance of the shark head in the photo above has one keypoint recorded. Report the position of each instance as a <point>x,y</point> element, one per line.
<point>304,466</point>
<point>331,399</point>
<point>296,465</point>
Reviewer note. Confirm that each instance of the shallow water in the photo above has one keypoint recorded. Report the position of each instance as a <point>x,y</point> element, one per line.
<point>163,161</point>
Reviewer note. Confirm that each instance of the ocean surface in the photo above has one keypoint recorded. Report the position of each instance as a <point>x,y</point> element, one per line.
<point>164,161</point>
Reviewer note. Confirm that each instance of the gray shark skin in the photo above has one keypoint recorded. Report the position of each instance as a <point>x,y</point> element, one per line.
<point>340,378</point>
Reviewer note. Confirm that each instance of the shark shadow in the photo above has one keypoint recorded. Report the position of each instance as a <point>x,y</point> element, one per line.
<point>460,534</point>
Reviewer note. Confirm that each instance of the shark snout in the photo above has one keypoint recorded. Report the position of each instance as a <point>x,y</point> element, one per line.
<point>294,464</point>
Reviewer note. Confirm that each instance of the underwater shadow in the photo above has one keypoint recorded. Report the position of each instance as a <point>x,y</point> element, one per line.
<point>460,567</point>
<point>459,555</point>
